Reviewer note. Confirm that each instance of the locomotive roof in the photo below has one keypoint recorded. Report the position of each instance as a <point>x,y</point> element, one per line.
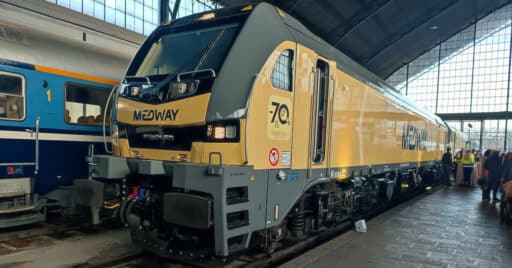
<point>262,31</point>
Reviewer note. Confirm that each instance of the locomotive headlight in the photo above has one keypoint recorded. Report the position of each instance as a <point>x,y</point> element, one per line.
<point>181,90</point>
<point>230,132</point>
<point>221,132</point>
<point>135,91</point>
<point>178,88</point>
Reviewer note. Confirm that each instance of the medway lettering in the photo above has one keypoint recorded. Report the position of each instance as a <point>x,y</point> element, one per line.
<point>414,138</point>
<point>155,115</point>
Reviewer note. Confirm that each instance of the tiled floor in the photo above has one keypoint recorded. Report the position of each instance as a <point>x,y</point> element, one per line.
<point>451,227</point>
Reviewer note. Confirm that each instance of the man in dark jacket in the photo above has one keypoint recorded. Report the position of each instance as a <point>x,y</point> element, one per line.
<point>493,165</point>
<point>447,167</point>
<point>506,169</point>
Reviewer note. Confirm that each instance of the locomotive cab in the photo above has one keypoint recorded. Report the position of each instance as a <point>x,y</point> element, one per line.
<point>161,108</point>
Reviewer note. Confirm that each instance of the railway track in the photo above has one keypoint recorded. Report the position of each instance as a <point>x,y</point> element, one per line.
<point>130,257</point>
<point>141,259</point>
<point>286,252</point>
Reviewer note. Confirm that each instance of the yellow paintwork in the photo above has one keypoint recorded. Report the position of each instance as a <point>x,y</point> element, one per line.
<point>275,129</point>
<point>246,8</point>
<point>192,111</point>
<point>258,142</point>
<point>232,153</point>
<point>368,127</point>
<point>365,127</point>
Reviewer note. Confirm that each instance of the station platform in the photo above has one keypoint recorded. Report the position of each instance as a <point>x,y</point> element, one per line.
<point>450,227</point>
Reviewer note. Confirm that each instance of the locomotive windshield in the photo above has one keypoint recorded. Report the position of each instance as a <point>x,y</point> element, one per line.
<point>172,53</point>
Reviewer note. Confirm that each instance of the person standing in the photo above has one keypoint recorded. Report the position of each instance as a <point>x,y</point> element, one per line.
<point>447,166</point>
<point>506,169</point>
<point>506,180</point>
<point>468,162</point>
<point>493,165</point>
<point>484,176</point>
<point>456,161</point>
<point>478,156</point>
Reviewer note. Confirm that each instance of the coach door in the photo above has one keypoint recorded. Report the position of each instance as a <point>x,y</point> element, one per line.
<point>17,135</point>
<point>319,121</point>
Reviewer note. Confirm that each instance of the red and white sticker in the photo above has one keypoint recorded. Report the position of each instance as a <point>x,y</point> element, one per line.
<point>273,156</point>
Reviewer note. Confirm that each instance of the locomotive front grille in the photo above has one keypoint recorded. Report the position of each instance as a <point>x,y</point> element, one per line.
<point>157,137</point>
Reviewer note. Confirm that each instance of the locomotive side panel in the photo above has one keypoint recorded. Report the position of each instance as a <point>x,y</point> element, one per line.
<point>271,126</point>
<point>270,111</point>
<point>371,129</point>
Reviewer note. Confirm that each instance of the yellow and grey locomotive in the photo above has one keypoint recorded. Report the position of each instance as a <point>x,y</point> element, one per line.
<point>240,127</point>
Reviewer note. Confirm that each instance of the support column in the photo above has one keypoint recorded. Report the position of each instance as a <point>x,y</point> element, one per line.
<point>164,11</point>
<point>175,9</point>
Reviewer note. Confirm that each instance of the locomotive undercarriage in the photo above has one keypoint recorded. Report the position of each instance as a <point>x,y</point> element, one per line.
<point>184,210</point>
<point>331,204</point>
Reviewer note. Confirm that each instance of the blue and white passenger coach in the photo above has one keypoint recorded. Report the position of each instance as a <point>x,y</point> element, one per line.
<point>53,89</point>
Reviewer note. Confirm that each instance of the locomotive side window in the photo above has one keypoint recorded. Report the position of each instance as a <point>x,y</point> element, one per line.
<point>12,96</point>
<point>282,74</point>
<point>85,104</point>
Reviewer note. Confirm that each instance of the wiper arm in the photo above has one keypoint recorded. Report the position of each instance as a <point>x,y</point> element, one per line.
<point>204,53</point>
<point>154,92</point>
<point>209,49</point>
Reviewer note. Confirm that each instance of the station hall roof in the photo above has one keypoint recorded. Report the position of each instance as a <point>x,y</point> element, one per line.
<point>383,35</point>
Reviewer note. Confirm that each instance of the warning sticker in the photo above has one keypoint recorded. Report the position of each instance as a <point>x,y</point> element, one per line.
<point>273,156</point>
<point>285,158</point>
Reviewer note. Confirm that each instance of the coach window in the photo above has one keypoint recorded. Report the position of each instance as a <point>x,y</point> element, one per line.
<point>12,96</point>
<point>282,74</point>
<point>85,104</point>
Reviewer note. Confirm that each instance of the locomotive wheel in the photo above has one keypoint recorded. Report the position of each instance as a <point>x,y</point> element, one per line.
<point>274,236</point>
<point>278,233</point>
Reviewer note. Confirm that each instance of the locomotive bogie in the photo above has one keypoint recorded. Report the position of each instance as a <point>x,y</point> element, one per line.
<point>230,206</point>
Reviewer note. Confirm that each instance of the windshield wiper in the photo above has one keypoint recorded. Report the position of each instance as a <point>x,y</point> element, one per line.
<point>204,53</point>
<point>209,49</point>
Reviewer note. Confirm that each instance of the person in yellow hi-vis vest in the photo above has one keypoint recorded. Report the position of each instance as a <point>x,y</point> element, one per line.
<point>468,162</point>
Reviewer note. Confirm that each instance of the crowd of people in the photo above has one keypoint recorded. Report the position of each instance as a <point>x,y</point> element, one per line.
<point>491,171</point>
